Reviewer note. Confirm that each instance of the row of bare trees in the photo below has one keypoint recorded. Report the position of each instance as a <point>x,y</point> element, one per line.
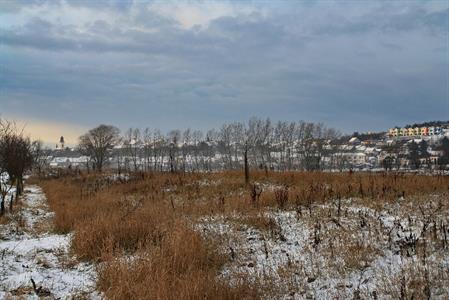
<point>258,143</point>
<point>17,156</point>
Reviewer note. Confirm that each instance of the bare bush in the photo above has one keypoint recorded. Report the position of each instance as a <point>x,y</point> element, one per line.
<point>255,192</point>
<point>281,196</point>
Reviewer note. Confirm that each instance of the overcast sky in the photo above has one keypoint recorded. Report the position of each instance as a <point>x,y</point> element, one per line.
<point>364,65</point>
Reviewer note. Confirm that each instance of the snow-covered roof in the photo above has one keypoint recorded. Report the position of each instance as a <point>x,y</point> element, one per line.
<point>354,140</point>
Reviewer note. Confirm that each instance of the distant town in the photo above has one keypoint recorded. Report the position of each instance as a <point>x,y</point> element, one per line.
<point>412,147</point>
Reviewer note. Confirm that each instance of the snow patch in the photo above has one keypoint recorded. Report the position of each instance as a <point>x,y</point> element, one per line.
<point>43,257</point>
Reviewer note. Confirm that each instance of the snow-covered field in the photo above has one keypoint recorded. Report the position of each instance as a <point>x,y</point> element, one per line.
<point>338,251</point>
<point>355,248</point>
<point>29,252</point>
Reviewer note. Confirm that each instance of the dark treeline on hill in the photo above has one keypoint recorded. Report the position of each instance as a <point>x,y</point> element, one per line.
<point>428,124</point>
<point>369,136</point>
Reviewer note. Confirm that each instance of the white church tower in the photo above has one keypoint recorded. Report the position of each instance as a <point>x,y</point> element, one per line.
<point>61,143</point>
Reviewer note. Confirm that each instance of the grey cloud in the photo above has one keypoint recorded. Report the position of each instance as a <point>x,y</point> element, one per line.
<point>346,69</point>
<point>16,6</point>
<point>236,32</point>
<point>386,19</point>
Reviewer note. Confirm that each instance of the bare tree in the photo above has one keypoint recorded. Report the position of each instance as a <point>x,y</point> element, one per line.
<point>197,137</point>
<point>41,158</point>
<point>186,147</point>
<point>97,142</point>
<point>5,182</point>
<point>265,141</point>
<point>225,136</point>
<point>249,140</point>
<point>16,157</point>
<point>147,149</point>
<point>310,145</point>
<point>174,137</point>
<point>237,141</point>
<point>133,143</point>
<point>159,143</point>
<point>208,148</point>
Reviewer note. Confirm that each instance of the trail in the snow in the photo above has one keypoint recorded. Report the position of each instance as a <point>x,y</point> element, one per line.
<point>28,250</point>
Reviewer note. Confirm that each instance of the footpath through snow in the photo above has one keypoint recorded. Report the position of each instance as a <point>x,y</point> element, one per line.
<point>29,252</point>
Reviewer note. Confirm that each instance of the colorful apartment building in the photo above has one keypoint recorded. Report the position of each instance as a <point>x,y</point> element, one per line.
<point>415,131</point>
<point>393,132</point>
<point>424,131</point>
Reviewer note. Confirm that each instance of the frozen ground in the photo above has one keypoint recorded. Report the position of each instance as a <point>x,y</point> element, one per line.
<point>349,250</point>
<point>29,251</point>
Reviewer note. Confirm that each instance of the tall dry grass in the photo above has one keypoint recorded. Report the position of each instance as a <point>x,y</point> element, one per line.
<point>141,232</point>
<point>183,266</point>
<point>145,245</point>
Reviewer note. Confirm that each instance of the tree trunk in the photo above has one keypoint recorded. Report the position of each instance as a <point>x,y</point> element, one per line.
<point>246,166</point>
<point>2,206</point>
<point>11,203</point>
<point>172,168</point>
<point>18,187</point>
<point>119,171</point>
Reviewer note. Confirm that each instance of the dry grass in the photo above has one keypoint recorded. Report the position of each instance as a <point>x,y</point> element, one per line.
<point>141,231</point>
<point>183,266</point>
<point>144,241</point>
<point>5,219</point>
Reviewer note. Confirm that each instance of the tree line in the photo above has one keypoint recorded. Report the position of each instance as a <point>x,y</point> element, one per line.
<point>297,145</point>
<point>257,143</point>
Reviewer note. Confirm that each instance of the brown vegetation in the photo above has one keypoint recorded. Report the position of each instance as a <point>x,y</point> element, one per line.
<point>141,230</point>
